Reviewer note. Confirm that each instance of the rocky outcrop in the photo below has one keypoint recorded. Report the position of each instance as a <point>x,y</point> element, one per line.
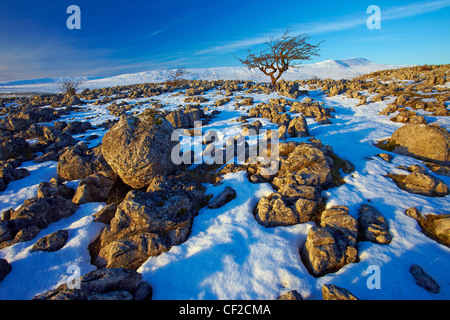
<point>425,142</point>
<point>104,284</point>
<point>272,211</point>
<point>329,248</point>
<point>435,226</point>
<point>421,183</point>
<point>304,169</point>
<point>222,198</point>
<point>78,162</point>
<point>52,242</point>
<point>372,226</point>
<point>332,292</point>
<point>138,149</point>
<point>149,223</point>
<point>35,214</point>
<point>424,280</point>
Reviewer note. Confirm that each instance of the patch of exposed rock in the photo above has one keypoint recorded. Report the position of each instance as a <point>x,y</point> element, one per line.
<point>333,245</point>
<point>138,149</point>
<point>332,292</point>
<point>435,226</point>
<point>104,284</point>
<point>148,223</point>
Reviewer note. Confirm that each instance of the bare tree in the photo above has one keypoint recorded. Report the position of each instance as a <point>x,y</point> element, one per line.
<point>69,86</point>
<point>176,77</point>
<point>281,54</point>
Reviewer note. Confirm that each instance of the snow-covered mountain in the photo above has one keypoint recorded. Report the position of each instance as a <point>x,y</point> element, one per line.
<point>332,69</point>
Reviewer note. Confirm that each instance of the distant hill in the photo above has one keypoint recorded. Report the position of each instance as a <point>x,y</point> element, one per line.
<point>332,69</point>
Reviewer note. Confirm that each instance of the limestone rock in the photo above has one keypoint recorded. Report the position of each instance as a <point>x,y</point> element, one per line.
<point>329,248</point>
<point>139,149</point>
<point>291,295</point>
<point>78,162</point>
<point>103,284</point>
<point>106,214</point>
<point>94,188</point>
<point>298,127</point>
<point>421,183</point>
<point>54,188</point>
<point>223,198</point>
<point>52,242</point>
<point>149,223</point>
<point>5,268</point>
<point>35,214</point>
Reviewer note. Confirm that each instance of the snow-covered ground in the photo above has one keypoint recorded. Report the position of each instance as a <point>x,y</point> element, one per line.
<point>332,69</point>
<point>228,254</point>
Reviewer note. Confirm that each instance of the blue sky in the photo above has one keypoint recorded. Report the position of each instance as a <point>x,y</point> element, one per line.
<point>119,37</point>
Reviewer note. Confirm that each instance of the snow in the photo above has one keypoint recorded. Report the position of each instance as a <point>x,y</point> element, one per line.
<point>37,272</point>
<point>228,255</point>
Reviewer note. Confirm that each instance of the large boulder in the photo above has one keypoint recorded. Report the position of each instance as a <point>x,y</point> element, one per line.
<point>273,211</point>
<point>138,149</point>
<point>104,284</point>
<point>421,183</point>
<point>425,142</point>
